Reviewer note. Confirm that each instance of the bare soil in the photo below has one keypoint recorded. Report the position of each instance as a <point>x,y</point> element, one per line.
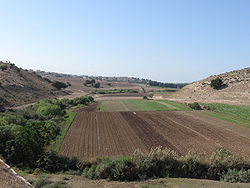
<point>10,180</point>
<point>81,182</point>
<point>94,134</point>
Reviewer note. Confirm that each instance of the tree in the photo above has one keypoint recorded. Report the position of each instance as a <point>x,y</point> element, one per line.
<point>59,85</point>
<point>88,82</point>
<point>97,85</point>
<point>216,83</point>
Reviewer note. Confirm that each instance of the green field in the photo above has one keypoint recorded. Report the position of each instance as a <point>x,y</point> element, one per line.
<point>140,105</point>
<point>232,113</point>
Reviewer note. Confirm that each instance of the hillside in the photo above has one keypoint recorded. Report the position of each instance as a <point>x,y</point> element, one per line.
<point>236,92</point>
<point>19,87</point>
<point>9,178</point>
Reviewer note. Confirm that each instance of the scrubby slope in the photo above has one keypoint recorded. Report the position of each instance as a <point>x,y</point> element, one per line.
<point>236,92</point>
<point>20,87</point>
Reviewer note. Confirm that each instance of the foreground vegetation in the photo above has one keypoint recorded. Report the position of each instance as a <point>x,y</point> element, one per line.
<point>222,165</point>
<point>26,134</point>
<point>64,129</point>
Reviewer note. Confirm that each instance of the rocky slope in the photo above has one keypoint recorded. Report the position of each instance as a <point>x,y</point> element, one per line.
<point>9,178</point>
<point>237,90</point>
<point>19,87</point>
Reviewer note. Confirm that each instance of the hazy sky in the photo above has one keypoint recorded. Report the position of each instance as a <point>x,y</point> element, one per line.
<point>164,40</point>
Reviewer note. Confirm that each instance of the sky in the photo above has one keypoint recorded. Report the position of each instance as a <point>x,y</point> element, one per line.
<point>163,40</point>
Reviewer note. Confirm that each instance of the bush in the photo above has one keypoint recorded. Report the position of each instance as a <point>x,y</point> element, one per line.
<point>145,98</point>
<point>96,85</point>
<point>3,67</point>
<point>195,106</point>
<point>46,109</point>
<point>59,85</point>
<point>29,143</point>
<point>235,176</point>
<point>193,166</point>
<point>88,82</point>
<point>158,163</point>
<point>221,160</point>
<point>216,83</point>
<point>122,169</point>
<point>162,162</point>
<point>52,162</point>
<point>47,80</point>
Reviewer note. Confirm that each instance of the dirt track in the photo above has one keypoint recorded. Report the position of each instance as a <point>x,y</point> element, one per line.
<point>95,134</point>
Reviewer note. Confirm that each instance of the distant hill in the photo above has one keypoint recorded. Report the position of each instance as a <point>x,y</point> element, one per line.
<point>126,79</point>
<point>19,87</point>
<point>237,90</point>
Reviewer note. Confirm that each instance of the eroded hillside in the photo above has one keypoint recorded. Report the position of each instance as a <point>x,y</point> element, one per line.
<point>18,86</point>
<point>237,90</point>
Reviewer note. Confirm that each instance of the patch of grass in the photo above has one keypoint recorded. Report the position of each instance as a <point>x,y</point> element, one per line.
<point>42,181</point>
<point>232,113</point>
<point>175,106</point>
<point>144,105</point>
<point>141,105</point>
<point>102,107</point>
<point>66,125</point>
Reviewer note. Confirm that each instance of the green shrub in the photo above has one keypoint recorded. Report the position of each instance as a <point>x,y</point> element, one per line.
<point>96,85</point>
<point>3,67</point>
<point>59,85</point>
<point>195,106</point>
<point>122,169</point>
<point>216,83</point>
<point>46,109</point>
<point>47,80</point>
<point>193,166</point>
<point>6,134</point>
<point>235,176</point>
<point>12,118</point>
<point>221,160</point>
<point>68,83</point>
<point>52,162</point>
<point>157,163</point>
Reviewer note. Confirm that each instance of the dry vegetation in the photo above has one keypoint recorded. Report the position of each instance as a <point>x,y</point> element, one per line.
<point>237,90</point>
<point>19,87</point>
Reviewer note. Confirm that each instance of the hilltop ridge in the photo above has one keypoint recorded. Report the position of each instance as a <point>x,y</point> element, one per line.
<point>237,90</point>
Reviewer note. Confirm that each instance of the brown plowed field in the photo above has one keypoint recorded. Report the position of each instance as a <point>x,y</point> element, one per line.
<point>95,134</point>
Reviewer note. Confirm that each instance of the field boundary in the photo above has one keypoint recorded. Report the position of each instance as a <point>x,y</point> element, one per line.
<point>66,125</point>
